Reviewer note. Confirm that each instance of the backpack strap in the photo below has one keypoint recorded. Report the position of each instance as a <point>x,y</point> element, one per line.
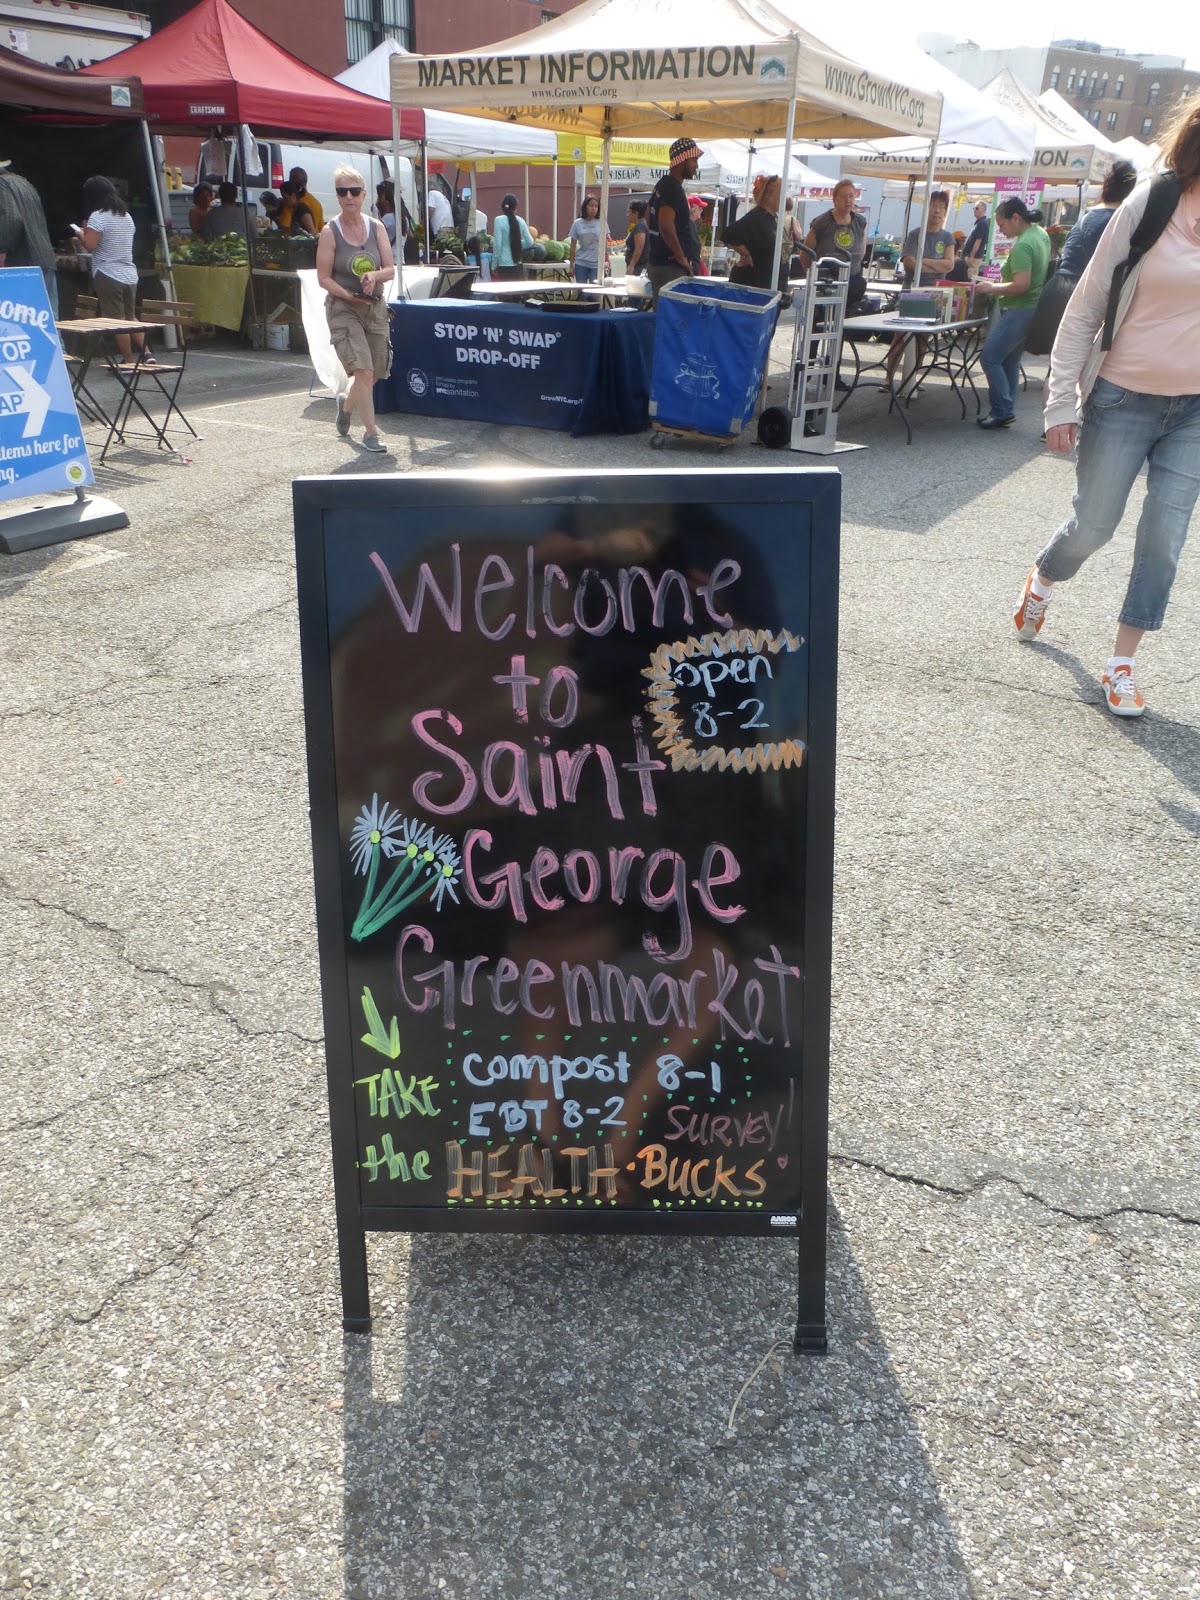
<point>1160,208</point>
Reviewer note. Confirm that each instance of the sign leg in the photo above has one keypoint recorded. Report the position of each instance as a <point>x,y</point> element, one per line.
<point>811,1336</point>
<point>356,1289</point>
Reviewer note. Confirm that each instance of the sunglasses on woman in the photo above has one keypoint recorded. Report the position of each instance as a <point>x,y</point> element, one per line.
<point>342,193</point>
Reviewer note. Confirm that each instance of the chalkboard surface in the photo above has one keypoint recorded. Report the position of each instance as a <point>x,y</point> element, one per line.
<point>571,754</point>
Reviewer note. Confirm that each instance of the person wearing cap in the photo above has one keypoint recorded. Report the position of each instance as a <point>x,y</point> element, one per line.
<point>674,245</point>
<point>24,237</point>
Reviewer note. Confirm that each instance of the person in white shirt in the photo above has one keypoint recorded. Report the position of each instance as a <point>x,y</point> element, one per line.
<point>441,217</point>
<point>108,236</point>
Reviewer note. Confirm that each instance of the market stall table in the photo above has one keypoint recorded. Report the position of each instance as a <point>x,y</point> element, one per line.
<point>519,289</point>
<point>541,368</point>
<point>953,348</point>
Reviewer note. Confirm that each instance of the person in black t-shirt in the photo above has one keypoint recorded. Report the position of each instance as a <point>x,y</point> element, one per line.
<point>674,245</point>
<point>975,248</point>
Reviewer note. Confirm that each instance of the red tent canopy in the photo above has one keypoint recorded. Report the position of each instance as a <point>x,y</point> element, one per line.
<point>27,85</point>
<point>213,68</point>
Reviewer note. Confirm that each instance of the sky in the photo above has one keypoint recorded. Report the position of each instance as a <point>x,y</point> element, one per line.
<point>1152,30</point>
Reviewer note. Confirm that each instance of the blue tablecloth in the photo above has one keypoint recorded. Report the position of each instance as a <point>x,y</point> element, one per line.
<point>582,372</point>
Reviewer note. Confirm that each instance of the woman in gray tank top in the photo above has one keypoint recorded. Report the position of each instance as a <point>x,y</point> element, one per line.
<point>354,267</point>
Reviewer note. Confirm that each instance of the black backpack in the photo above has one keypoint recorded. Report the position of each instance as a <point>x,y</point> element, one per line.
<point>1160,208</point>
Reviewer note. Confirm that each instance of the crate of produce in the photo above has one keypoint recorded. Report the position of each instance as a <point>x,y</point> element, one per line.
<point>270,252</point>
<point>711,342</point>
<point>302,251</point>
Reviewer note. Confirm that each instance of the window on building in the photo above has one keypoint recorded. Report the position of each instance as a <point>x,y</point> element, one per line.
<point>370,22</point>
<point>1055,74</point>
<point>1185,91</point>
<point>1112,121</point>
<point>1119,88</point>
<point>1104,86</point>
<point>1070,80</point>
<point>1092,86</point>
<point>1147,124</point>
<point>550,16</point>
<point>1152,97</point>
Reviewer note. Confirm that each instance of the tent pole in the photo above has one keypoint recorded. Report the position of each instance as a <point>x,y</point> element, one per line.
<point>398,210</point>
<point>750,154</point>
<point>256,322</point>
<point>554,227</point>
<point>526,191</point>
<point>602,263</point>
<point>783,186</point>
<point>912,183</point>
<point>160,221</point>
<point>423,198</point>
<point>779,218</point>
<point>925,213</point>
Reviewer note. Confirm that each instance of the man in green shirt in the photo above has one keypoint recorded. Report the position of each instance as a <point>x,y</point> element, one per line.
<point>1024,274</point>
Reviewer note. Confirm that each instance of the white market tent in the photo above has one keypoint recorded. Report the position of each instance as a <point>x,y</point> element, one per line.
<point>614,67</point>
<point>448,135</point>
<point>619,67</point>
<point>1065,152</point>
<point>727,163</point>
<point>1144,156</point>
<point>1069,150</point>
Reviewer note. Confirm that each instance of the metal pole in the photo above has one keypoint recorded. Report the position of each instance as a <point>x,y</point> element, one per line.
<point>527,191</point>
<point>783,178</point>
<point>423,196</point>
<point>399,209</point>
<point>554,225</point>
<point>160,220</point>
<point>602,263</point>
<point>925,213</point>
<point>912,184</point>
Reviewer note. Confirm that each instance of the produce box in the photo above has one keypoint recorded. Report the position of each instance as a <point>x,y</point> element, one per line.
<point>270,252</point>
<point>301,252</point>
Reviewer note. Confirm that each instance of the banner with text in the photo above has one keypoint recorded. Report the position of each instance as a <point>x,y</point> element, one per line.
<point>41,441</point>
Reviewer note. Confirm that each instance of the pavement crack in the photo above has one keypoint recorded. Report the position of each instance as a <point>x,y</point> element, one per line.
<point>207,989</point>
<point>987,1180</point>
<point>142,1274</point>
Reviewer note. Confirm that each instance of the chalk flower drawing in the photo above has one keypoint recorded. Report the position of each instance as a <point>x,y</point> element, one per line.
<point>375,827</point>
<point>426,864</point>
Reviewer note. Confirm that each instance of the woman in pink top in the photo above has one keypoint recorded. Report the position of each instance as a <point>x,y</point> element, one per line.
<point>1135,405</point>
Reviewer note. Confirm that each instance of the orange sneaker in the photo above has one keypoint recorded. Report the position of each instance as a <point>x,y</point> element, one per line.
<point>1030,612</point>
<point>1121,692</point>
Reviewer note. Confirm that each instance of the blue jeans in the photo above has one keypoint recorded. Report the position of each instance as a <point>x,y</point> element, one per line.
<point>1001,358</point>
<point>1121,431</point>
<point>584,274</point>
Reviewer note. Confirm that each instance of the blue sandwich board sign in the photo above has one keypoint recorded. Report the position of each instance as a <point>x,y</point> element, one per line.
<point>41,441</point>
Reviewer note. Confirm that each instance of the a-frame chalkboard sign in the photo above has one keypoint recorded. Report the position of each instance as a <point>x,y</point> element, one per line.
<point>571,758</point>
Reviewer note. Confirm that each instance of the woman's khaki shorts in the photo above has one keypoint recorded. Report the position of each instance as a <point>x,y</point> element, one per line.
<point>361,335</point>
<point>116,299</point>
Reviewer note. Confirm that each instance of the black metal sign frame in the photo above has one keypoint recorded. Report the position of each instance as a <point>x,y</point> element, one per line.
<point>352,536</point>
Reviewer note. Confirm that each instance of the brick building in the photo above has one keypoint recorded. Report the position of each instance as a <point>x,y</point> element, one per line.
<point>331,35</point>
<point>1119,93</point>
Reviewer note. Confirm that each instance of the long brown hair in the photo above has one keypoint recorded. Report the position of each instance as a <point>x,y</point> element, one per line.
<point>1180,141</point>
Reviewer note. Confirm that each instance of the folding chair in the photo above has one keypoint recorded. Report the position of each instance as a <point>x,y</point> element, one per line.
<point>165,376</point>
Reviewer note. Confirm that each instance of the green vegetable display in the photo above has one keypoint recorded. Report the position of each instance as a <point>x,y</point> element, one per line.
<point>227,251</point>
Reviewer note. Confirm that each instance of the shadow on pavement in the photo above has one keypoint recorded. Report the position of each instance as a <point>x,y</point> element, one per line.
<point>1174,745</point>
<point>548,1416</point>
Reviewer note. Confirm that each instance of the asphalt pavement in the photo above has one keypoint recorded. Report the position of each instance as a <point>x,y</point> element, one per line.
<point>1008,1409</point>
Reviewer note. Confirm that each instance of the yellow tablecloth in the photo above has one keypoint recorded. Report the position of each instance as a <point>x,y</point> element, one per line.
<point>219,293</point>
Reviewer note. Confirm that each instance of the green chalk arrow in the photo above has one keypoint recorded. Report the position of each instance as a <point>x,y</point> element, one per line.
<point>379,1038</point>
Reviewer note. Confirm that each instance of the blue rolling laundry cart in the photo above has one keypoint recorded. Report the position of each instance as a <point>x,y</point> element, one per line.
<point>710,348</point>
